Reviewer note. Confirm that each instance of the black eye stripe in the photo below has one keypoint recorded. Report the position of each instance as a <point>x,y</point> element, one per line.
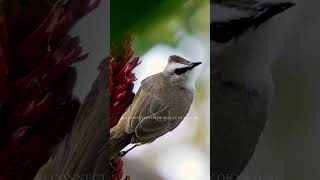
<point>223,32</point>
<point>180,71</point>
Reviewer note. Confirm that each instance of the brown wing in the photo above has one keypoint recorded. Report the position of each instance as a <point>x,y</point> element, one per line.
<point>149,114</point>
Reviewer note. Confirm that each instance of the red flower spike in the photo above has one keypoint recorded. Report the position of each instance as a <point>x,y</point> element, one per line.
<point>37,107</point>
<point>4,84</point>
<point>117,172</point>
<point>121,84</point>
<point>20,133</point>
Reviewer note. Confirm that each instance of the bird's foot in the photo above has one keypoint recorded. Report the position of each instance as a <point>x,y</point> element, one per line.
<point>123,153</point>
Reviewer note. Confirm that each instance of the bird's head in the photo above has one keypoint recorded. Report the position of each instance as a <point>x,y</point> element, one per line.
<point>232,19</point>
<point>180,71</point>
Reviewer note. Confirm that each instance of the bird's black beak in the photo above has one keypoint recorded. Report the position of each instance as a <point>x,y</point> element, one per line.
<point>276,8</point>
<point>194,64</point>
<point>271,9</point>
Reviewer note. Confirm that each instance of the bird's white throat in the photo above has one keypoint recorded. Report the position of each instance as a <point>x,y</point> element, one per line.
<point>189,81</point>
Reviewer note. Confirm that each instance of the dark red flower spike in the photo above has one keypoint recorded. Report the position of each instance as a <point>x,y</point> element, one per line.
<point>122,77</point>
<point>37,107</point>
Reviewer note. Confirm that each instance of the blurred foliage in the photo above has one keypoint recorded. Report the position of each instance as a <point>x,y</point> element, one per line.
<point>154,22</point>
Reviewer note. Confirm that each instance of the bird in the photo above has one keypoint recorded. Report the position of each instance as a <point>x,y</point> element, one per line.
<point>159,106</point>
<point>242,88</point>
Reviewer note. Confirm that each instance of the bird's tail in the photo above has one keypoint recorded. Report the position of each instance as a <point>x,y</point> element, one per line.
<point>118,140</point>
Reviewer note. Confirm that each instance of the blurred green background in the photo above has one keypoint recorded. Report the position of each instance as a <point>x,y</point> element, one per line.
<point>154,22</point>
<point>160,29</point>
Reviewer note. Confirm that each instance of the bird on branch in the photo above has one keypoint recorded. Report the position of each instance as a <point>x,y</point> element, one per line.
<point>161,103</point>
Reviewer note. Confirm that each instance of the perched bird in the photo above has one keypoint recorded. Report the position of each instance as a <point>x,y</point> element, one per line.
<point>242,88</point>
<point>159,106</point>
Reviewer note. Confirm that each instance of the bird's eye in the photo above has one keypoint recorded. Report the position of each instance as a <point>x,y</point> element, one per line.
<point>178,72</point>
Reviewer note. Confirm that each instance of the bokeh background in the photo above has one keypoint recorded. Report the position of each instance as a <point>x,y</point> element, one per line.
<point>289,146</point>
<point>160,29</point>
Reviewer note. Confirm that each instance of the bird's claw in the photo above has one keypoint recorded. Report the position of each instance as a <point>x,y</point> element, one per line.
<point>122,153</point>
